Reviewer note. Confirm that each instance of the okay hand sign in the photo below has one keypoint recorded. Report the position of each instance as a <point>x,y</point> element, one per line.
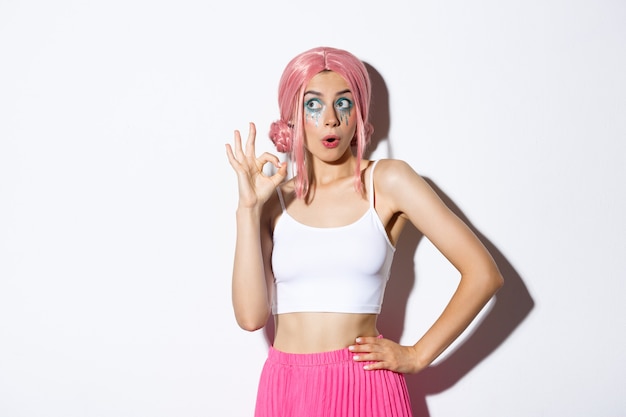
<point>255,187</point>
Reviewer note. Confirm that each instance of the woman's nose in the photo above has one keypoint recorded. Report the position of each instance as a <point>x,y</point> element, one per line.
<point>330,117</point>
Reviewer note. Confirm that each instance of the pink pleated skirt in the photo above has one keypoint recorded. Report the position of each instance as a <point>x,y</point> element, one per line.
<point>328,384</point>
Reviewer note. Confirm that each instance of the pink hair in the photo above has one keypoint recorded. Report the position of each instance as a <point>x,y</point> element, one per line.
<point>287,133</point>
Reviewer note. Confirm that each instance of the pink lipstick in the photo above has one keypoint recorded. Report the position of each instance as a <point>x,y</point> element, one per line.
<point>330,141</point>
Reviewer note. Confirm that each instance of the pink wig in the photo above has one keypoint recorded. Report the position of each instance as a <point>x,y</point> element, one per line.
<point>287,133</point>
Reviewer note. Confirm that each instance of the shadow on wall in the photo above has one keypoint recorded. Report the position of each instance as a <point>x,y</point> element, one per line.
<point>511,306</point>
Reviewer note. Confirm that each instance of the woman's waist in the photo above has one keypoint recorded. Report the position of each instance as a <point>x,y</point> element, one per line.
<point>321,332</point>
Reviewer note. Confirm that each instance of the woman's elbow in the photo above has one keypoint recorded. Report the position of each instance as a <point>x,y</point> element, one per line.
<point>487,282</point>
<point>496,280</point>
<point>251,324</point>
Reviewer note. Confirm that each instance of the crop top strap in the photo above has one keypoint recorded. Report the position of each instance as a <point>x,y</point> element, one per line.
<point>280,197</point>
<point>371,184</point>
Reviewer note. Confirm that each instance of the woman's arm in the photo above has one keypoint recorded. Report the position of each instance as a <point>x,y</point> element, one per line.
<point>250,289</point>
<point>403,191</point>
<point>251,269</point>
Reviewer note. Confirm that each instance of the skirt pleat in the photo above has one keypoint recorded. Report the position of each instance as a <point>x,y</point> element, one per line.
<point>328,384</point>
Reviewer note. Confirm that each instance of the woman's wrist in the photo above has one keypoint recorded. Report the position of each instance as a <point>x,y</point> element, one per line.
<point>422,358</point>
<point>244,212</point>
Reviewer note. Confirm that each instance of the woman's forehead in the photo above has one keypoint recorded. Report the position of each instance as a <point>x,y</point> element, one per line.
<point>327,82</point>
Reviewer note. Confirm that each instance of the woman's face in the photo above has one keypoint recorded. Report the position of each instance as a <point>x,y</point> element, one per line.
<point>329,116</point>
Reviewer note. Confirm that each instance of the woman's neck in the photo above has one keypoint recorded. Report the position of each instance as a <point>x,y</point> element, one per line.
<point>328,172</point>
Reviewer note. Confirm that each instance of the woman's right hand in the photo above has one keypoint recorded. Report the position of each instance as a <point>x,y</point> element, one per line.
<point>255,187</point>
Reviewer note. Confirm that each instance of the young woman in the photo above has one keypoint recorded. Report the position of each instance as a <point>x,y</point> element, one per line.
<point>315,250</point>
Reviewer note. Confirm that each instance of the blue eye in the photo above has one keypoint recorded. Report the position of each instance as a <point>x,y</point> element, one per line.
<point>313,105</point>
<point>343,104</point>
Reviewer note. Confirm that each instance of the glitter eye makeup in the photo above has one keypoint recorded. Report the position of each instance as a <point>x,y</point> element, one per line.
<point>344,107</point>
<point>314,109</point>
<point>313,105</point>
<point>343,104</point>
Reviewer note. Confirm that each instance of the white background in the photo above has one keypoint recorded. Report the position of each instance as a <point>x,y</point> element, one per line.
<point>117,201</point>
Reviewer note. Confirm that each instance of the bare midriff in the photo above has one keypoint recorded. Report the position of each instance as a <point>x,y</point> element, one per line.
<point>321,332</point>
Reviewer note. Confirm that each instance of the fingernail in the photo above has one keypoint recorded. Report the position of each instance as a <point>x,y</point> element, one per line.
<point>350,347</point>
<point>355,357</point>
<point>358,340</point>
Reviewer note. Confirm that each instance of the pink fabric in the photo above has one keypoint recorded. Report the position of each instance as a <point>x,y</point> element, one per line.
<point>328,384</point>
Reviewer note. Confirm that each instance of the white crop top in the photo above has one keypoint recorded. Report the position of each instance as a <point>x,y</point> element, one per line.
<point>336,269</point>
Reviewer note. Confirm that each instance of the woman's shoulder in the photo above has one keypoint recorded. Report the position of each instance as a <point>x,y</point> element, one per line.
<point>397,180</point>
<point>389,171</point>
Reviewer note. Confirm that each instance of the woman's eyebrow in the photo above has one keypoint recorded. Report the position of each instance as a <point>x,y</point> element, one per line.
<point>317,93</point>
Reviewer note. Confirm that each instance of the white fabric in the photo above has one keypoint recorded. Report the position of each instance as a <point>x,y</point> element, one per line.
<point>340,269</point>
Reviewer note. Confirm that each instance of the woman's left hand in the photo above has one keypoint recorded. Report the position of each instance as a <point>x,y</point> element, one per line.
<point>380,353</point>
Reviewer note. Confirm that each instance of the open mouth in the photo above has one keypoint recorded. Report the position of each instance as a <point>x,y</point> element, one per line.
<point>331,141</point>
